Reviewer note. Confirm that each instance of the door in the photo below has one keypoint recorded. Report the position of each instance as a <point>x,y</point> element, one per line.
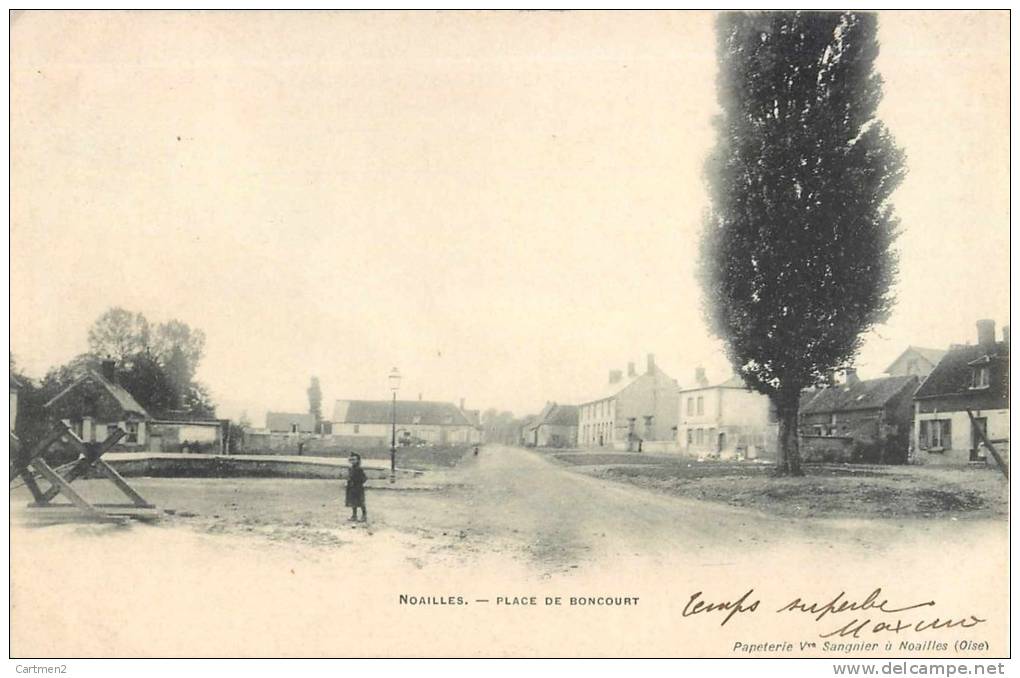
<point>977,450</point>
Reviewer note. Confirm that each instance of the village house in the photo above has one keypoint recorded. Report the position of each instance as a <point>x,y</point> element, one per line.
<point>915,361</point>
<point>290,422</point>
<point>95,405</point>
<point>970,377</point>
<point>858,421</point>
<point>417,421</point>
<point>554,426</point>
<point>726,421</point>
<point>636,413</point>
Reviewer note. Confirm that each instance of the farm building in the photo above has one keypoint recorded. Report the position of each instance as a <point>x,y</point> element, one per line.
<point>864,421</point>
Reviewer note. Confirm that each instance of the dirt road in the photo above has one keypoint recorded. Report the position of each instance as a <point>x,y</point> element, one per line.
<point>272,567</point>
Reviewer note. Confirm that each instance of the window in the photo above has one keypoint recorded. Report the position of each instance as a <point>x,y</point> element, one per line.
<point>699,437</point>
<point>979,377</point>
<point>132,432</point>
<point>690,436</point>
<point>357,428</point>
<point>701,405</point>
<point>935,435</point>
<point>690,406</point>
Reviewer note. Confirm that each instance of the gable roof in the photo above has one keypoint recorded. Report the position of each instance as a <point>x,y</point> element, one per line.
<point>407,412</point>
<point>932,355</point>
<point>282,421</point>
<point>735,381</point>
<point>124,400</point>
<point>555,415</point>
<point>614,389</point>
<point>952,375</point>
<point>862,395</point>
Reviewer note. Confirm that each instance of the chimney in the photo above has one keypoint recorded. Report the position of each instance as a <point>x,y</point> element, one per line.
<point>830,377</point>
<point>986,333</point>
<point>699,377</point>
<point>461,404</point>
<point>651,363</point>
<point>615,376</point>
<point>851,375</point>
<point>631,370</point>
<point>1005,333</point>
<point>108,368</point>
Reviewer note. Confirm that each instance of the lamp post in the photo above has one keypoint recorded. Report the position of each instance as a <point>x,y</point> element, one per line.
<point>394,386</point>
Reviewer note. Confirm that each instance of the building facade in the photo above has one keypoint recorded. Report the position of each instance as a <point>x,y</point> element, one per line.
<point>969,377</point>
<point>95,406</point>
<point>555,426</point>
<point>417,422</point>
<point>915,362</point>
<point>726,421</point>
<point>858,421</point>
<point>635,413</point>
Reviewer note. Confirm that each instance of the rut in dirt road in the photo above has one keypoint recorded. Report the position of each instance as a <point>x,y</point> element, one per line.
<point>557,515</point>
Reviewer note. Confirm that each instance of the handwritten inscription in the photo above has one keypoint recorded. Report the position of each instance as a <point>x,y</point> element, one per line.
<point>874,614</point>
<point>742,604</point>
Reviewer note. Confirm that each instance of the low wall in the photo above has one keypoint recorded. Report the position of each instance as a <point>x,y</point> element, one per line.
<point>188,466</point>
<point>307,443</point>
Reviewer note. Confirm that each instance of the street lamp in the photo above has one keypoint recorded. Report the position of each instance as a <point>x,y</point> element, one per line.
<point>394,386</point>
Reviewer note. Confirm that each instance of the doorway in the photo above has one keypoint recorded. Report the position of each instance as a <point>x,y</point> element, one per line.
<point>977,424</point>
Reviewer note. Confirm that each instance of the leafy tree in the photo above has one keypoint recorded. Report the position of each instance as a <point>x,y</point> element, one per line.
<point>119,334</point>
<point>315,401</point>
<point>150,384</point>
<point>179,348</point>
<point>197,401</point>
<point>796,258</point>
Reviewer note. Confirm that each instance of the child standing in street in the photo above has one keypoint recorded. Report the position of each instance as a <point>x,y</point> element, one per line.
<point>356,488</point>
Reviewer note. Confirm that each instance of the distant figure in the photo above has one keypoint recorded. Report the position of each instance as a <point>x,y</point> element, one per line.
<point>476,450</point>
<point>185,447</point>
<point>356,488</point>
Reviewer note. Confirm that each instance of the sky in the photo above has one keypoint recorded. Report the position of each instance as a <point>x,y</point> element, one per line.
<point>505,206</point>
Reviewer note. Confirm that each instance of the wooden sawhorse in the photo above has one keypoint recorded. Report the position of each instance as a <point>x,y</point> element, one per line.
<point>33,464</point>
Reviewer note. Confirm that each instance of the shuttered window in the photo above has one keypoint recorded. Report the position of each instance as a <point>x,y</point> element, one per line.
<point>936,435</point>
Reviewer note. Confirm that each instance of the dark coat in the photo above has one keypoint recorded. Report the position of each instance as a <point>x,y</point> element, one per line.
<point>356,487</point>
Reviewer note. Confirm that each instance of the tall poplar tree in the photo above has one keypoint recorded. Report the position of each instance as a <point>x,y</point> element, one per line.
<point>796,259</point>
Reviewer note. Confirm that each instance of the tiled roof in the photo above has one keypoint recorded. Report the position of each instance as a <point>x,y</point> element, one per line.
<point>952,375</point>
<point>932,355</point>
<point>555,415</point>
<point>611,390</point>
<point>407,412</point>
<point>282,421</point>
<point>861,395</point>
<point>124,399</point>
